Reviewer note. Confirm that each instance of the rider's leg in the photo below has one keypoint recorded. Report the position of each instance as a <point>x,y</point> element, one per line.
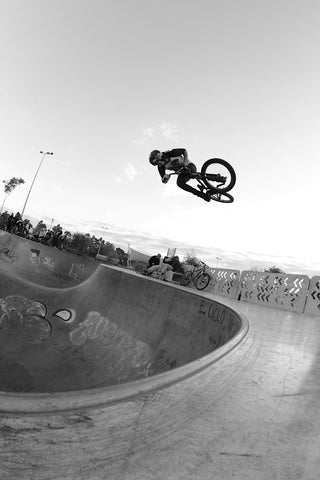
<point>182,180</point>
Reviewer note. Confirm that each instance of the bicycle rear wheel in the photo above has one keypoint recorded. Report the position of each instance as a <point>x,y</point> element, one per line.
<point>222,197</point>
<point>218,175</point>
<point>186,279</point>
<point>202,281</point>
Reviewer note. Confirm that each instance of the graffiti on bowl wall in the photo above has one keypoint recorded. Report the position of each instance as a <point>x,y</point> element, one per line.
<point>25,318</point>
<point>76,271</point>
<point>66,314</point>
<point>27,321</point>
<point>47,263</point>
<point>7,254</point>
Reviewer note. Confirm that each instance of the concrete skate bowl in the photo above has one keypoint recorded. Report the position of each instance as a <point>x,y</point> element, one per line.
<point>114,336</point>
<point>42,264</point>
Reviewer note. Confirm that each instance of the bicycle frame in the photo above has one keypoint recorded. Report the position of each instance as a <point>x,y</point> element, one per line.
<point>199,273</point>
<point>211,183</point>
<point>198,176</point>
<point>198,270</point>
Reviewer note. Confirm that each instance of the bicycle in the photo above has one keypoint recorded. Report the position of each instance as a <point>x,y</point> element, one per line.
<point>216,177</point>
<point>199,276</point>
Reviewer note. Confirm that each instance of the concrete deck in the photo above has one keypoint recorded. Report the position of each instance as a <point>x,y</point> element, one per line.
<point>248,410</point>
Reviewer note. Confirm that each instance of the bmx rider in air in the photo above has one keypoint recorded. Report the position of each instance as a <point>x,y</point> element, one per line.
<point>174,160</point>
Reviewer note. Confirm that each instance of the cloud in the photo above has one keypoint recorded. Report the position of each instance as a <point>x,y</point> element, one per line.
<point>130,171</point>
<point>162,131</point>
<point>150,243</point>
<point>169,130</point>
<point>146,134</point>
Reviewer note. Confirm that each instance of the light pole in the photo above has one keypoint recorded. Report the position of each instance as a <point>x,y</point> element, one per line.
<point>218,260</point>
<point>35,176</point>
<point>129,255</point>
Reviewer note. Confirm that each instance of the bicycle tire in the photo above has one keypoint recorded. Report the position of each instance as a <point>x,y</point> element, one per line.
<point>186,279</point>
<point>222,197</point>
<point>202,281</point>
<point>212,185</point>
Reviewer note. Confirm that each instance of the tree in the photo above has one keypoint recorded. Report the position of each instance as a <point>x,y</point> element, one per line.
<point>122,255</point>
<point>191,259</point>
<point>80,243</point>
<point>9,186</point>
<point>107,249</point>
<point>274,269</point>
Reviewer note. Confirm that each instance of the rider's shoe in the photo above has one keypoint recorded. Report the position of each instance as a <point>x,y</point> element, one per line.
<point>205,195</point>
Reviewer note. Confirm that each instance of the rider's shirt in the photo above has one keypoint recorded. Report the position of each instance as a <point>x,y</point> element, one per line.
<point>173,160</point>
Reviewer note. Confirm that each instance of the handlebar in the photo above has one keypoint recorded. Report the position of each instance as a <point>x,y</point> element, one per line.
<point>201,265</point>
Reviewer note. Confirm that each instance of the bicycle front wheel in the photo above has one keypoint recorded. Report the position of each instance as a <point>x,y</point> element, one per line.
<point>218,175</point>
<point>186,279</point>
<point>202,281</point>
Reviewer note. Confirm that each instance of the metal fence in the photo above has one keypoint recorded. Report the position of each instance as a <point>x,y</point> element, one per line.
<point>293,292</point>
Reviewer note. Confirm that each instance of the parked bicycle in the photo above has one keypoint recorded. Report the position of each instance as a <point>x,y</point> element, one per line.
<point>199,276</point>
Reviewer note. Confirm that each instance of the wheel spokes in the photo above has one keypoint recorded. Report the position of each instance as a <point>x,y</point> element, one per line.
<point>218,176</point>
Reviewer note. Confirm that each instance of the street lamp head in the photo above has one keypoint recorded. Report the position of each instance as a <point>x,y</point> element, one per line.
<point>46,153</point>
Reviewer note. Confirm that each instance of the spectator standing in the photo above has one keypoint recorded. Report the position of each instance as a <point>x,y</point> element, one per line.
<point>11,223</point>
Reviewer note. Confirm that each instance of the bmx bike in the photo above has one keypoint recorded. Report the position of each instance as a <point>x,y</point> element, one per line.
<point>199,276</point>
<point>216,177</point>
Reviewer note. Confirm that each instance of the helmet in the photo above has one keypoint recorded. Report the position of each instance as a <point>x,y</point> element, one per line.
<point>153,156</point>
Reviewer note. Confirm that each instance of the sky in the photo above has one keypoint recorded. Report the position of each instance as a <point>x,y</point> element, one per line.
<point>101,83</point>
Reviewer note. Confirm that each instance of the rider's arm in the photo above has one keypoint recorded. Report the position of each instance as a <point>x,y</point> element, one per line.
<point>175,152</point>
<point>185,154</point>
<point>161,169</point>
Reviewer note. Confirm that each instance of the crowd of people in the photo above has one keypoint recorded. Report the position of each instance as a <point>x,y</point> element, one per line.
<point>81,244</point>
<point>159,266</point>
<point>56,236</point>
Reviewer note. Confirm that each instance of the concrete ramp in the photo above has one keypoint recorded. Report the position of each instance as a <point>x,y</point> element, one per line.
<point>42,264</point>
<point>118,378</point>
<point>113,328</point>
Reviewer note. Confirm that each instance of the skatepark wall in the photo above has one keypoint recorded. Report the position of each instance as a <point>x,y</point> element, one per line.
<point>43,264</point>
<point>51,267</point>
<point>284,291</point>
<point>313,299</point>
<point>294,292</point>
<point>224,282</point>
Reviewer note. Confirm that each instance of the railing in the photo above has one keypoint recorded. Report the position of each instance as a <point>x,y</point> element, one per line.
<point>313,299</point>
<point>224,282</point>
<point>293,292</point>
<point>288,292</point>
